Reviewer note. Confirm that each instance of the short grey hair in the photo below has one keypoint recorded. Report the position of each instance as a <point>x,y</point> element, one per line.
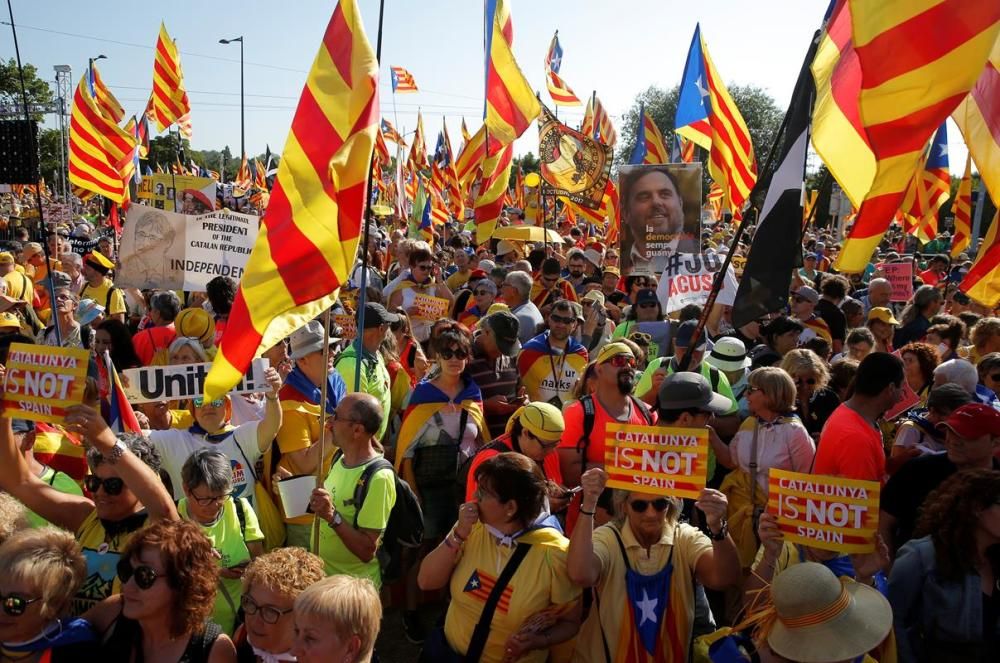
<point>138,444</point>
<point>167,304</point>
<point>209,468</point>
<point>521,282</point>
<point>72,257</point>
<point>960,372</point>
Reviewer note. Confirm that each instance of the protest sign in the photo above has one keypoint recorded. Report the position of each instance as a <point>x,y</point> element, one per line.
<point>900,276</point>
<point>687,279</point>
<point>194,195</point>
<point>829,513</point>
<point>429,307</point>
<point>651,231</point>
<point>170,383</point>
<point>171,251</point>
<point>348,325</point>
<point>656,459</point>
<point>43,381</point>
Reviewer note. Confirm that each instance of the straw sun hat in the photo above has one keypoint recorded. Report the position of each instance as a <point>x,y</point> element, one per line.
<point>821,618</point>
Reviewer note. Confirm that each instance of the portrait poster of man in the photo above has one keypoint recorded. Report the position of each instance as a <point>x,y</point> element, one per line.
<point>193,195</point>
<point>660,212</point>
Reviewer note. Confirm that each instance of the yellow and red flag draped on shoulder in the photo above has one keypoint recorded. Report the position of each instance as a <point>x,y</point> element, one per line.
<point>489,203</point>
<point>511,104</point>
<point>919,59</point>
<point>99,150</point>
<point>308,237</point>
<point>978,117</point>
<point>170,99</point>
<point>963,211</point>
<point>982,283</point>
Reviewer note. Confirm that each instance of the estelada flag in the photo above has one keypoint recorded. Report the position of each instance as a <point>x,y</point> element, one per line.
<point>426,400</point>
<point>572,164</point>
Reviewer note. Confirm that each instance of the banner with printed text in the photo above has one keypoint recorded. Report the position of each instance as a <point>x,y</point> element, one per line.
<point>657,459</point>
<point>429,307</point>
<point>829,513</point>
<point>900,276</point>
<point>170,383</point>
<point>43,381</point>
<point>194,195</point>
<point>171,251</point>
<point>688,277</point>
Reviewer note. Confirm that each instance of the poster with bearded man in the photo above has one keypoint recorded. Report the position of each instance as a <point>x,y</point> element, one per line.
<point>660,212</point>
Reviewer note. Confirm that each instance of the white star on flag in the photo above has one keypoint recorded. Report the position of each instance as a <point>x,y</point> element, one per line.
<point>702,91</point>
<point>944,150</point>
<point>647,608</point>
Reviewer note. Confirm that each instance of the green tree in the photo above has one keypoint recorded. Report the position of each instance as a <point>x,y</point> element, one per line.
<point>37,89</point>
<point>50,166</point>
<point>528,163</point>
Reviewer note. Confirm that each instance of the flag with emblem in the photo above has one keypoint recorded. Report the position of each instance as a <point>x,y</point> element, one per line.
<point>309,234</point>
<point>402,80</point>
<point>963,212</point>
<point>170,99</point>
<point>571,163</point>
<point>561,93</point>
<point>929,189</point>
<point>480,585</point>
<point>389,133</point>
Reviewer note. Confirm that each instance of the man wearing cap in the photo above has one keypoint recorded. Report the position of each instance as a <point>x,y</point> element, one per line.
<point>803,307</point>
<point>972,439</point>
<point>549,286</point>
<point>808,269</point>
<point>551,362</point>
<point>374,373</point>
<point>300,402</point>
<point>100,287</point>
<point>592,261</point>
<point>659,368</point>
<point>19,286</point>
<point>495,349</point>
<point>729,355</point>
<point>33,259</point>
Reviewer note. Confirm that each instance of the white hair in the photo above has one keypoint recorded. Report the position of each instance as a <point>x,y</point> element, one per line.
<point>960,372</point>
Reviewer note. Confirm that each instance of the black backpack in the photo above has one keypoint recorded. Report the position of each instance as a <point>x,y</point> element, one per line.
<point>589,414</point>
<point>405,527</point>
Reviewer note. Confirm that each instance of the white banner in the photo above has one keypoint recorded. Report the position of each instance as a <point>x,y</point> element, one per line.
<point>170,383</point>
<point>172,251</point>
<point>687,279</point>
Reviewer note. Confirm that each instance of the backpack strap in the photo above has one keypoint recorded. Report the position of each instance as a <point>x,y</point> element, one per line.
<point>482,630</point>
<point>241,515</point>
<point>589,414</point>
<point>643,410</point>
<point>107,300</point>
<point>201,644</point>
<point>714,377</point>
<point>364,481</point>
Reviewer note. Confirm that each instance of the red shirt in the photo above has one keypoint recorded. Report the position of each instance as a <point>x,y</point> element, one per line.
<point>573,415</point>
<point>930,277</point>
<point>850,447</point>
<point>151,339</point>
<point>550,467</point>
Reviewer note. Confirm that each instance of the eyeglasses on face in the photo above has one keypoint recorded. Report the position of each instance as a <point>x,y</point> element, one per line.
<point>112,485</point>
<point>456,353</point>
<point>805,380</point>
<point>145,576</point>
<point>200,402</point>
<point>334,416</point>
<point>621,361</point>
<point>752,390</point>
<point>14,605</point>
<point>799,300</point>
<point>268,613</point>
<point>640,337</point>
<point>546,446</point>
<point>209,500</point>
<point>640,506</point>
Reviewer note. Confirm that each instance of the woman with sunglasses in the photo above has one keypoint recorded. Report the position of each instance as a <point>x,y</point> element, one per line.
<point>42,570</point>
<point>646,315</point>
<point>484,292</point>
<point>645,563</point>
<point>271,584</point>
<point>229,523</point>
<point>815,401</point>
<point>499,534</point>
<point>424,279</point>
<point>168,576</point>
<point>124,488</point>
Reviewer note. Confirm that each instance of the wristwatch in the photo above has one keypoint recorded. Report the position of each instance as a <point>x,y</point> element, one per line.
<point>116,452</point>
<point>721,534</point>
<point>336,520</point>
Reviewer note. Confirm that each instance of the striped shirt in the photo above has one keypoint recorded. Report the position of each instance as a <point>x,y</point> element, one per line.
<point>495,378</point>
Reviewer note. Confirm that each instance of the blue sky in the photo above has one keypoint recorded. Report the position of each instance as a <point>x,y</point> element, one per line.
<point>616,48</point>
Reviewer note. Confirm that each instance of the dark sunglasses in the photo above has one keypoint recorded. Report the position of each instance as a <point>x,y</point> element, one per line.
<point>15,604</point>
<point>453,354</point>
<point>199,402</point>
<point>808,381</point>
<point>995,377</point>
<point>112,485</point>
<point>640,506</point>
<point>799,300</point>
<point>145,576</point>
<point>621,361</point>
<point>268,613</point>
<point>561,319</point>
<point>640,284</point>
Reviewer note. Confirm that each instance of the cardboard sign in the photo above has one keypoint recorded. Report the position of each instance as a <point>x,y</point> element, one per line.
<point>825,512</point>
<point>169,383</point>
<point>430,307</point>
<point>43,381</point>
<point>688,277</point>
<point>657,459</point>
<point>900,275</point>
<point>348,325</point>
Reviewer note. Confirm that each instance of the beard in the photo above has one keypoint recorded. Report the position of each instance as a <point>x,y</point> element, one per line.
<point>626,381</point>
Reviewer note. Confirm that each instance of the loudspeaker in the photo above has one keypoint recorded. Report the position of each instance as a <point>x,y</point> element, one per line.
<point>18,154</point>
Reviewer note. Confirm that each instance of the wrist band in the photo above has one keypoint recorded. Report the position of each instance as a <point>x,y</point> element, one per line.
<point>447,542</point>
<point>588,513</point>
<point>458,538</point>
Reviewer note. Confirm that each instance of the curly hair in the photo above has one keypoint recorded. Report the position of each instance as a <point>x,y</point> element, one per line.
<point>286,571</point>
<point>138,444</point>
<point>13,517</point>
<point>191,570</point>
<point>926,355</point>
<point>950,516</point>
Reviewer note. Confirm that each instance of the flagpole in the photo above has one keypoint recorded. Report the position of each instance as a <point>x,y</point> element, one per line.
<point>177,158</point>
<point>367,218</point>
<point>38,189</point>
<point>322,417</point>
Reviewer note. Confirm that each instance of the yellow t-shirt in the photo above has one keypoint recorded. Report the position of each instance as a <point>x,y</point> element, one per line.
<point>457,280</point>
<point>231,545</point>
<point>99,294</point>
<point>381,497</point>
<point>540,582</point>
<point>102,552</point>
<point>299,429</point>
<point>688,545</point>
<point>20,286</point>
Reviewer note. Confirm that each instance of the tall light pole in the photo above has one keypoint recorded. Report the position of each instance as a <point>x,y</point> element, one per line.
<point>243,142</point>
<point>63,75</point>
<point>90,65</point>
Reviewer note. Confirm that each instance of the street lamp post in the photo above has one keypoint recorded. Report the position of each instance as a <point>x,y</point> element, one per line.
<point>243,143</point>
<point>90,70</point>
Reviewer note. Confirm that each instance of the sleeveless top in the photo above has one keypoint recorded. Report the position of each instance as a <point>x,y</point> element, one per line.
<point>125,636</point>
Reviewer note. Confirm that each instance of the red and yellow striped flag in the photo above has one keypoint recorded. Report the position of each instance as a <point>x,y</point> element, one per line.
<point>978,117</point>
<point>656,148</point>
<point>982,283</point>
<point>184,125</point>
<point>687,149</point>
<point>919,59</point>
<point>465,134</point>
<point>259,180</point>
<point>308,237</point>
<point>170,99</point>
<point>489,203</point>
<point>597,122</point>
<point>99,150</point>
<point>105,101</point>
<point>417,160</point>
<point>243,179</point>
<point>963,212</point>
<point>471,158</point>
<point>511,105</point>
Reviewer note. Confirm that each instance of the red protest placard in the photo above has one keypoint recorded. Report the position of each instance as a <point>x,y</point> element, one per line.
<point>657,459</point>
<point>900,276</point>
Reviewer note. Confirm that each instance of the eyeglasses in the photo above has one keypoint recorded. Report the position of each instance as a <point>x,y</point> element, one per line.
<point>640,284</point>
<point>453,354</point>
<point>546,446</point>
<point>648,305</point>
<point>621,361</point>
<point>337,417</point>
<point>268,613</point>
<point>562,320</point>
<point>112,485</point>
<point>799,300</point>
<point>751,390</point>
<point>145,576</point>
<point>208,501</point>
<point>199,402</point>
<point>808,381</point>
<point>426,267</point>
<point>14,605</point>
<point>640,506</point>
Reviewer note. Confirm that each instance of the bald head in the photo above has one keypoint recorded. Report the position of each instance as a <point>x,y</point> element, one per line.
<point>365,409</point>
<point>879,292</point>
